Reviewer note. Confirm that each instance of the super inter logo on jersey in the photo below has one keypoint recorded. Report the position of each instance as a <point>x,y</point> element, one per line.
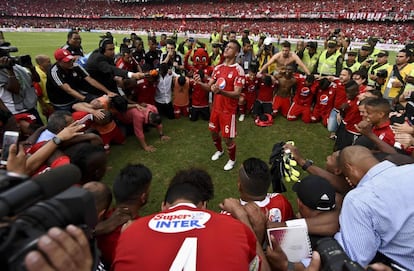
<point>179,221</point>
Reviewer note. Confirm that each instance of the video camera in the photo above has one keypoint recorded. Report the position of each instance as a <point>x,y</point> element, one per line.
<point>33,217</point>
<point>24,60</point>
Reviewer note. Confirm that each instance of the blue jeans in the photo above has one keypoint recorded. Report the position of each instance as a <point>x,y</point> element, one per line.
<point>332,122</point>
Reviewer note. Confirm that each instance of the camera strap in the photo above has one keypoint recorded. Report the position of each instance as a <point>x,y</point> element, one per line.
<point>397,74</point>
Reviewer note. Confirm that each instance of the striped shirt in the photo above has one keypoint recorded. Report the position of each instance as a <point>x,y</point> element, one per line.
<point>378,215</point>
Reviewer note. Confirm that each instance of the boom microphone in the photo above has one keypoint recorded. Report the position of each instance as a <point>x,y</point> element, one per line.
<point>43,186</point>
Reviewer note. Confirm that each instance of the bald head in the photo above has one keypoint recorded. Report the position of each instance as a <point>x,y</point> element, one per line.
<point>43,61</point>
<point>101,193</point>
<point>355,161</point>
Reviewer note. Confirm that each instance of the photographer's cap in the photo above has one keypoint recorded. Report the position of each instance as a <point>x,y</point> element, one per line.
<point>267,41</point>
<point>63,55</point>
<point>382,53</point>
<point>316,193</point>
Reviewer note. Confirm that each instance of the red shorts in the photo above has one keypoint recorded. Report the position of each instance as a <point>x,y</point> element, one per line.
<point>181,110</point>
<point>296,110</point>
<point>226,123</point>
<point>281,104</point>
<point>115,136</point>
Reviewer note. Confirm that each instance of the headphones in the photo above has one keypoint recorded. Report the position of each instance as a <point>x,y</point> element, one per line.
<point>103,43</point>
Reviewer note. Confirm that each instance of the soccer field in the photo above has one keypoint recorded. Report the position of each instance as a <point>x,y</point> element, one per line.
<point>190,144</point>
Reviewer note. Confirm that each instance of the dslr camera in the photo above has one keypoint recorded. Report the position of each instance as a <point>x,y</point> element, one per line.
<point>334,258</point>
<point>25,218</point>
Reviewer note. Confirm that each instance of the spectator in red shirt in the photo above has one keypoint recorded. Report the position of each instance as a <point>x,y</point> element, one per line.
<point>378,111</point>
<point>347,132</point>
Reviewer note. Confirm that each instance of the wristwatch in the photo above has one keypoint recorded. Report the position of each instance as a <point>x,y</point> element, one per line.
<point>57,140</point>
<point>307,164</point>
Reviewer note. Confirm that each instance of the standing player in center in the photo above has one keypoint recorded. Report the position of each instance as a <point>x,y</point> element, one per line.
<point>226,83</point>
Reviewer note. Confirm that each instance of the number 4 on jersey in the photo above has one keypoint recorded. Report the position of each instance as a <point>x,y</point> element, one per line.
<point>186,256</point>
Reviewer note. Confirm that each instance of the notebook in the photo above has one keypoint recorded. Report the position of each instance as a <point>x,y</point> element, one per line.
<point>294,242</point>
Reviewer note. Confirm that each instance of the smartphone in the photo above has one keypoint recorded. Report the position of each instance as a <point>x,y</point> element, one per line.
<point>10,137</point>
<point>86,118</point>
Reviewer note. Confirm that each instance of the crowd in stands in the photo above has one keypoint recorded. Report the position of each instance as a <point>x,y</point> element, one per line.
<point>212,8</point>
<point>281,18</point>
<point>86,100</point>
<point>391,32</point>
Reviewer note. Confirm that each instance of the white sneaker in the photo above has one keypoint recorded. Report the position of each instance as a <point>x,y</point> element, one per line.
<point>229,165</point>
<point>217,155</point>
<point>241,117</point>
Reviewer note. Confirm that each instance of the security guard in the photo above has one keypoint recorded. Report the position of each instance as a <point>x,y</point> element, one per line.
<point>330,60</point>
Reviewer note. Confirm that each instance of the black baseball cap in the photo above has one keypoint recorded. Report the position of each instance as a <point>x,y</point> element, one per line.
<point>316,193</point>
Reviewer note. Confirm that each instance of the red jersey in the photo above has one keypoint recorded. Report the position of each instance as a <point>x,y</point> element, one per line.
<point>145,91</point>
<point>385,133</point>
<point>324,101</point>
<point>276,206</point>
<point>227,78</point>
<point>128,66</point>
<point>186,236</point>
<point>251,85</point>
<point>304,94</point>
<point>265,93</point>
<point>352,116</point>
<point>340,94</point>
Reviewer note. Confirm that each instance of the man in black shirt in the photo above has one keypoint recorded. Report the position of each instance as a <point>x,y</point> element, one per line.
<point>153,56</point>
<point>73,44</point>
<point>102,68</point>
<point>68,83</point>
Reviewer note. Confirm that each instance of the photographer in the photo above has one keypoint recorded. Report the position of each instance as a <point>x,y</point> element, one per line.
<point>379,81</point>
<point>265,54</point>
<point>16,89</point>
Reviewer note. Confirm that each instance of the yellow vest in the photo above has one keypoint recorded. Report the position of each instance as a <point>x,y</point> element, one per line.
<point>309,61</point>
<point>271,68</point>
<point>255,48</point>
<point>215,38</point>
<point>394,91</point>
<point>327,66</point>
<point>409,87</point>
<point>353,68</point>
